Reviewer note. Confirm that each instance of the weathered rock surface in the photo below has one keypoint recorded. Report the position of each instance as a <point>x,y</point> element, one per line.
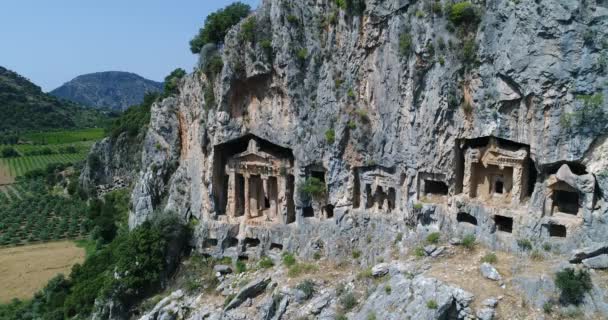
<point>488,271</point>
<point>597,262</point>
<point>409,298</point>
<point>250,290</point>
<point>579,255</point>
<point>390,134</point>
<point>380,269</point>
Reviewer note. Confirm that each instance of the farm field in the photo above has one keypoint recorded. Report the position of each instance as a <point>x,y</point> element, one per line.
<point>63,137</point>
<point>20,165</point>
<point>24,270</point>
<point>29,213</point>
<point>44,148</point>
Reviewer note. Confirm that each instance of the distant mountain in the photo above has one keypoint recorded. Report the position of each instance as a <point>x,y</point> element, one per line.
<point>112,89</point>
<point>24,107</point>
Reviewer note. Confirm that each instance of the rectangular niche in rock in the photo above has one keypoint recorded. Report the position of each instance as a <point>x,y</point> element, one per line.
<point>314,191</point>
<point>504,224</point>
<point>382,189</point>
<point>209,243</point>
<point>231,242</point>
<point>276,247</point>
<point>556,230</point>
<point>308,212</point>
<point>565,201</point>
<point>251,243</point>
<point>251,180</point>
<point>432,187</point>
<point>463,217</point>
<point>496,170</point>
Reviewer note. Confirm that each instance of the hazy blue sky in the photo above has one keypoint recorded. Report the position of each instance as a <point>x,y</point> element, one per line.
<point>51,42</point>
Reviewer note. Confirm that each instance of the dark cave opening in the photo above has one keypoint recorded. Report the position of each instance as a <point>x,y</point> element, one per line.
<point>466,218</point>
<point>504,224</point>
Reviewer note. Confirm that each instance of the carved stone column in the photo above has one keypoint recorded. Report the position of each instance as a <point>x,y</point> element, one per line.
<point>282,199</point>
<point>231,200</point>
<point>265,194</point>
<point>518,180</point>
<point>468,184</point>
<point>247,213</point>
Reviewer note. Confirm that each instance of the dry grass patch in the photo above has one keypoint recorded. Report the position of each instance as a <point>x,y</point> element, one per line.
<point>26,269</point>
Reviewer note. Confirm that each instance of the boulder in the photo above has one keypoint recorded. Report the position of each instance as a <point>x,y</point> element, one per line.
<point>251,290</point>
<point>597,262</point>
<point>488,271</point>
<point>485,314</point>
<point>380,270</point>
<point>437,252</point>
<point>222,269</point>
<point>579,255</point>
<point>430,249</point>
<point>455,241</point>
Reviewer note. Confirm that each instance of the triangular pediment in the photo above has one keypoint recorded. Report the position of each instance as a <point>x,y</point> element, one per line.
<point>253,157</point>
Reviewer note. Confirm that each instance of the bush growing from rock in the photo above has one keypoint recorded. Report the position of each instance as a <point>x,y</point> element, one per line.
<point>248,32</point>
<point>241,267</point>
<point>302,54</point>
<point>462,13</point>
<point>308,287</point>
<point>288,260</point>
<point>388,289</point>
<point>301,268</point>
<point>573,285</point>
<point>405,44</point>
<point>292,19</point>
<point>217,25</point>
<point>431,304</point>
<point>536,255</point>
<point>330,136</point>
<point>356,254</point>
<point>489,258</point>
<point>433,238</point>
<point>313,187</point>
<point>524,244</point>
<point>469,241</point>
<point>266,263</point>
<point>348,301</point>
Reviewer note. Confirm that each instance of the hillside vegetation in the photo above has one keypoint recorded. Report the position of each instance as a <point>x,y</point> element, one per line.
<point>24,107</point>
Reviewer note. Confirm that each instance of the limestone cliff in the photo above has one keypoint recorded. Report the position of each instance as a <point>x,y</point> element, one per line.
<point>338,72</point>
<point>410,121</point>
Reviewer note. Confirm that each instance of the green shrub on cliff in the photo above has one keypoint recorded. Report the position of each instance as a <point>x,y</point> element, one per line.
<point>462,13</point>
<point>217,25</point>
<point>573,285</point>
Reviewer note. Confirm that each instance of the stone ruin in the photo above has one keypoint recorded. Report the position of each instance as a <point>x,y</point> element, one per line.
<point>432,187</point>
<point>377,189</point>
<point>259,187</point>
<point>255,181</point>
<point>569,199</point>
<point>496,173</point>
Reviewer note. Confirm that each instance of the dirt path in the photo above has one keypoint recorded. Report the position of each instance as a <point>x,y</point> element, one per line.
<point>5,175</point>
<point>26,269</point>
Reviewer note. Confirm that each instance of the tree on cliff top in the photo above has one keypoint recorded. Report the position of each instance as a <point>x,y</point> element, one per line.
<point>217,25</point>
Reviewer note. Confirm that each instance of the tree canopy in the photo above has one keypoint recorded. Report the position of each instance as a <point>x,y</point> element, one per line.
<point>217,25</point>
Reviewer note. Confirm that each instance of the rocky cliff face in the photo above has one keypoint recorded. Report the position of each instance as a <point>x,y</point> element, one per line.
<point>528,81</point>
<point>413,123</point>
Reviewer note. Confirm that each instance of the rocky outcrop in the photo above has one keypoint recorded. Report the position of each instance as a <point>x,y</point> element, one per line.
<point>411,116</point>
<point>111,160</point>
<point>408,123</point>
